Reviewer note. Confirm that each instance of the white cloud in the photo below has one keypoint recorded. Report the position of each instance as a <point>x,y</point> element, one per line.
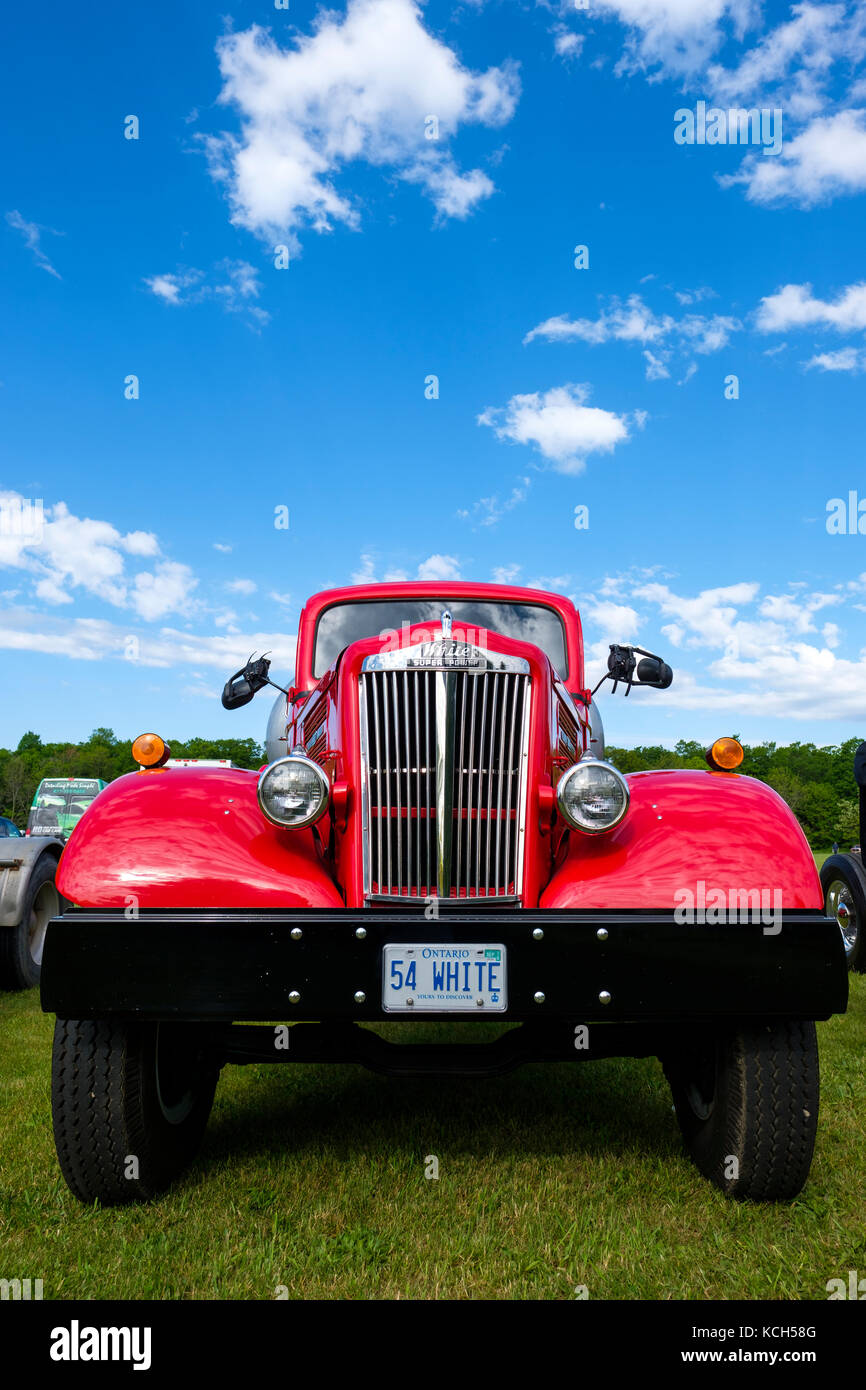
<point>763,666</point>
<point>694,296</point>
<point>434,567</point>
<point>91,639</point>
<point>825,160</point>
<point>439,567</point>
<point>656,368</point>
<point>241,586</point>
<point>367,573</point>
<point>630,322</point>
<point>795,306</point>
<point>234,284</point>
<point>140,543</point>
<point>32,233</point>
<point>167,590</point>
<point>846,359</point>
<point>171,287</point>
<point>487,511</point>
<point>566,43</point>
<point>677,36</point>
<point>634,322</point>
<point>284,600</point>
<point>791,63</point>
<point>69,553</point>
<point>506,574</point>
<point>361,87</point>
<point>806,66</point>
<point>707,335</point>
<point>223,549</point>
<point>559,423</point>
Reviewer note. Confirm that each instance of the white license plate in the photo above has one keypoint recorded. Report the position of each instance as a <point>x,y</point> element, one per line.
<point>437,977</point>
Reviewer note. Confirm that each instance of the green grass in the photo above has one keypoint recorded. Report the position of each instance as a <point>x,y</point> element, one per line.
<point>312,1177</point>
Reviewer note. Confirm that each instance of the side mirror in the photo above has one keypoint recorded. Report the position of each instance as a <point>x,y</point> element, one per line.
<point>651,670</point>
<point>240,688</point>
<point>623,665</point>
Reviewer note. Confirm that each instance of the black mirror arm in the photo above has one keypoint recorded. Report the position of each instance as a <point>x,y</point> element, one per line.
<point>260,669</point>
<point>624,663</point>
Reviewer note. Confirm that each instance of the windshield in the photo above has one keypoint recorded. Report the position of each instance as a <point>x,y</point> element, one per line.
<point>344,623</point>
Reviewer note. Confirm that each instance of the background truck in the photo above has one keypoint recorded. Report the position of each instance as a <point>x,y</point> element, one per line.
<point>29,898</point>
<point>59,804</point>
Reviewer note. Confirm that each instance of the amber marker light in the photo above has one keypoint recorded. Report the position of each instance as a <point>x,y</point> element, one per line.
<point>149,750</point>
<point>725,755</point>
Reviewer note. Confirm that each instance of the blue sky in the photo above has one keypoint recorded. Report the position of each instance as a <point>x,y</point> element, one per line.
<point>158,567</point>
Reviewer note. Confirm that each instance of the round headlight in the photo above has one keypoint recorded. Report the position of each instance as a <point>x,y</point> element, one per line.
<point>293,791</point>
<point>592,796</point>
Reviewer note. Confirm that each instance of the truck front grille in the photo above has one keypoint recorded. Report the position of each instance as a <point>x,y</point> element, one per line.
<point>444,755</point>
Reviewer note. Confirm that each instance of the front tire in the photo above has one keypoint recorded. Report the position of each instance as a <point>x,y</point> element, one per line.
<point>746,1100</point>
<point>844,885</point>
<point>130,1102</point>
<point>21,947</point>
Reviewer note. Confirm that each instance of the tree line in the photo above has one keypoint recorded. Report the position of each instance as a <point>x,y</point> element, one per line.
<point>817,783</point>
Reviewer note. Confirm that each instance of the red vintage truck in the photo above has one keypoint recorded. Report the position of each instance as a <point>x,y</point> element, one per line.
<point>437,835</point>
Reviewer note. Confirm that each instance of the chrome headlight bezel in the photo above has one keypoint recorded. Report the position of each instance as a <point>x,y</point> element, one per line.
<point>566,779</point>
<point>316,812</point>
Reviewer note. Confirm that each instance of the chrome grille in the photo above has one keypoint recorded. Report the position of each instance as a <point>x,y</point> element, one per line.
<point>444,763</point>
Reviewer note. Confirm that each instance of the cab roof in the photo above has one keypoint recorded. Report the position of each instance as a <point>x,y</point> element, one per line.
<point>443,589</point>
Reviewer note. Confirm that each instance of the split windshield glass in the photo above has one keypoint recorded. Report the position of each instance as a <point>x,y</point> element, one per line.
<point>345,623</point>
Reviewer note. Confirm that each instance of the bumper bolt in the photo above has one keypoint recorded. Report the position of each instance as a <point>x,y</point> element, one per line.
<point>360,996</point>
<point>538,997</point>
<point>602,933</point>
<point>294,997</point>
<point>296,933</point>
<point>360,932</point>
<point>537,934</point>
<point>480,1003</point>
<point>604,997</point>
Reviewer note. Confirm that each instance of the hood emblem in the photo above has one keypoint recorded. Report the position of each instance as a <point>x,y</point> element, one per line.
<point>446,623</point>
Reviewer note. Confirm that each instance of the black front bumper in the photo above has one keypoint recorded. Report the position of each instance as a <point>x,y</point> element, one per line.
<point>244,965</point>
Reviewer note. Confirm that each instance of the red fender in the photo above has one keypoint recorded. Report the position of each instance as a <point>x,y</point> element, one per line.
<point>684,828</point>
<point>190,837</point>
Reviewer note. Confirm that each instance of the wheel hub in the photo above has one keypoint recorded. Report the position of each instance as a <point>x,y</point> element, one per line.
<point>840,904</point>
<point>46,905</point>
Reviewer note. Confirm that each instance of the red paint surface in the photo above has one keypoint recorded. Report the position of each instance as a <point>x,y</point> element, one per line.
<point>731,832</point>
<point>190,837</point>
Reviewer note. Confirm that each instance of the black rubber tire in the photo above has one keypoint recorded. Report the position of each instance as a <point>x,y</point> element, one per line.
<point>18,968</point>
<point>848,869</point>
<point>750,1094</point>
<point>124,1090</point>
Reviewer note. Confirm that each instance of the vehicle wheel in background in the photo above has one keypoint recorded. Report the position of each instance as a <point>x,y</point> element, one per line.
<point>844,885</point>
<point>21,947</point>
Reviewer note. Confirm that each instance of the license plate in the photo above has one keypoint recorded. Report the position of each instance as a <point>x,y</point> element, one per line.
<point>439,978</point>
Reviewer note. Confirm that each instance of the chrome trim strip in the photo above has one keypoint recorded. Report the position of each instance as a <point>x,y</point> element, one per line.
<point>366,837</point>
<point>444,655</point>
<point>447,786</point>
<point>446,693</point>
<point>524,787</point>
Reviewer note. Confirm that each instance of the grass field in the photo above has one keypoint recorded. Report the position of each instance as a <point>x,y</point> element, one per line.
<point>553,1177</point>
